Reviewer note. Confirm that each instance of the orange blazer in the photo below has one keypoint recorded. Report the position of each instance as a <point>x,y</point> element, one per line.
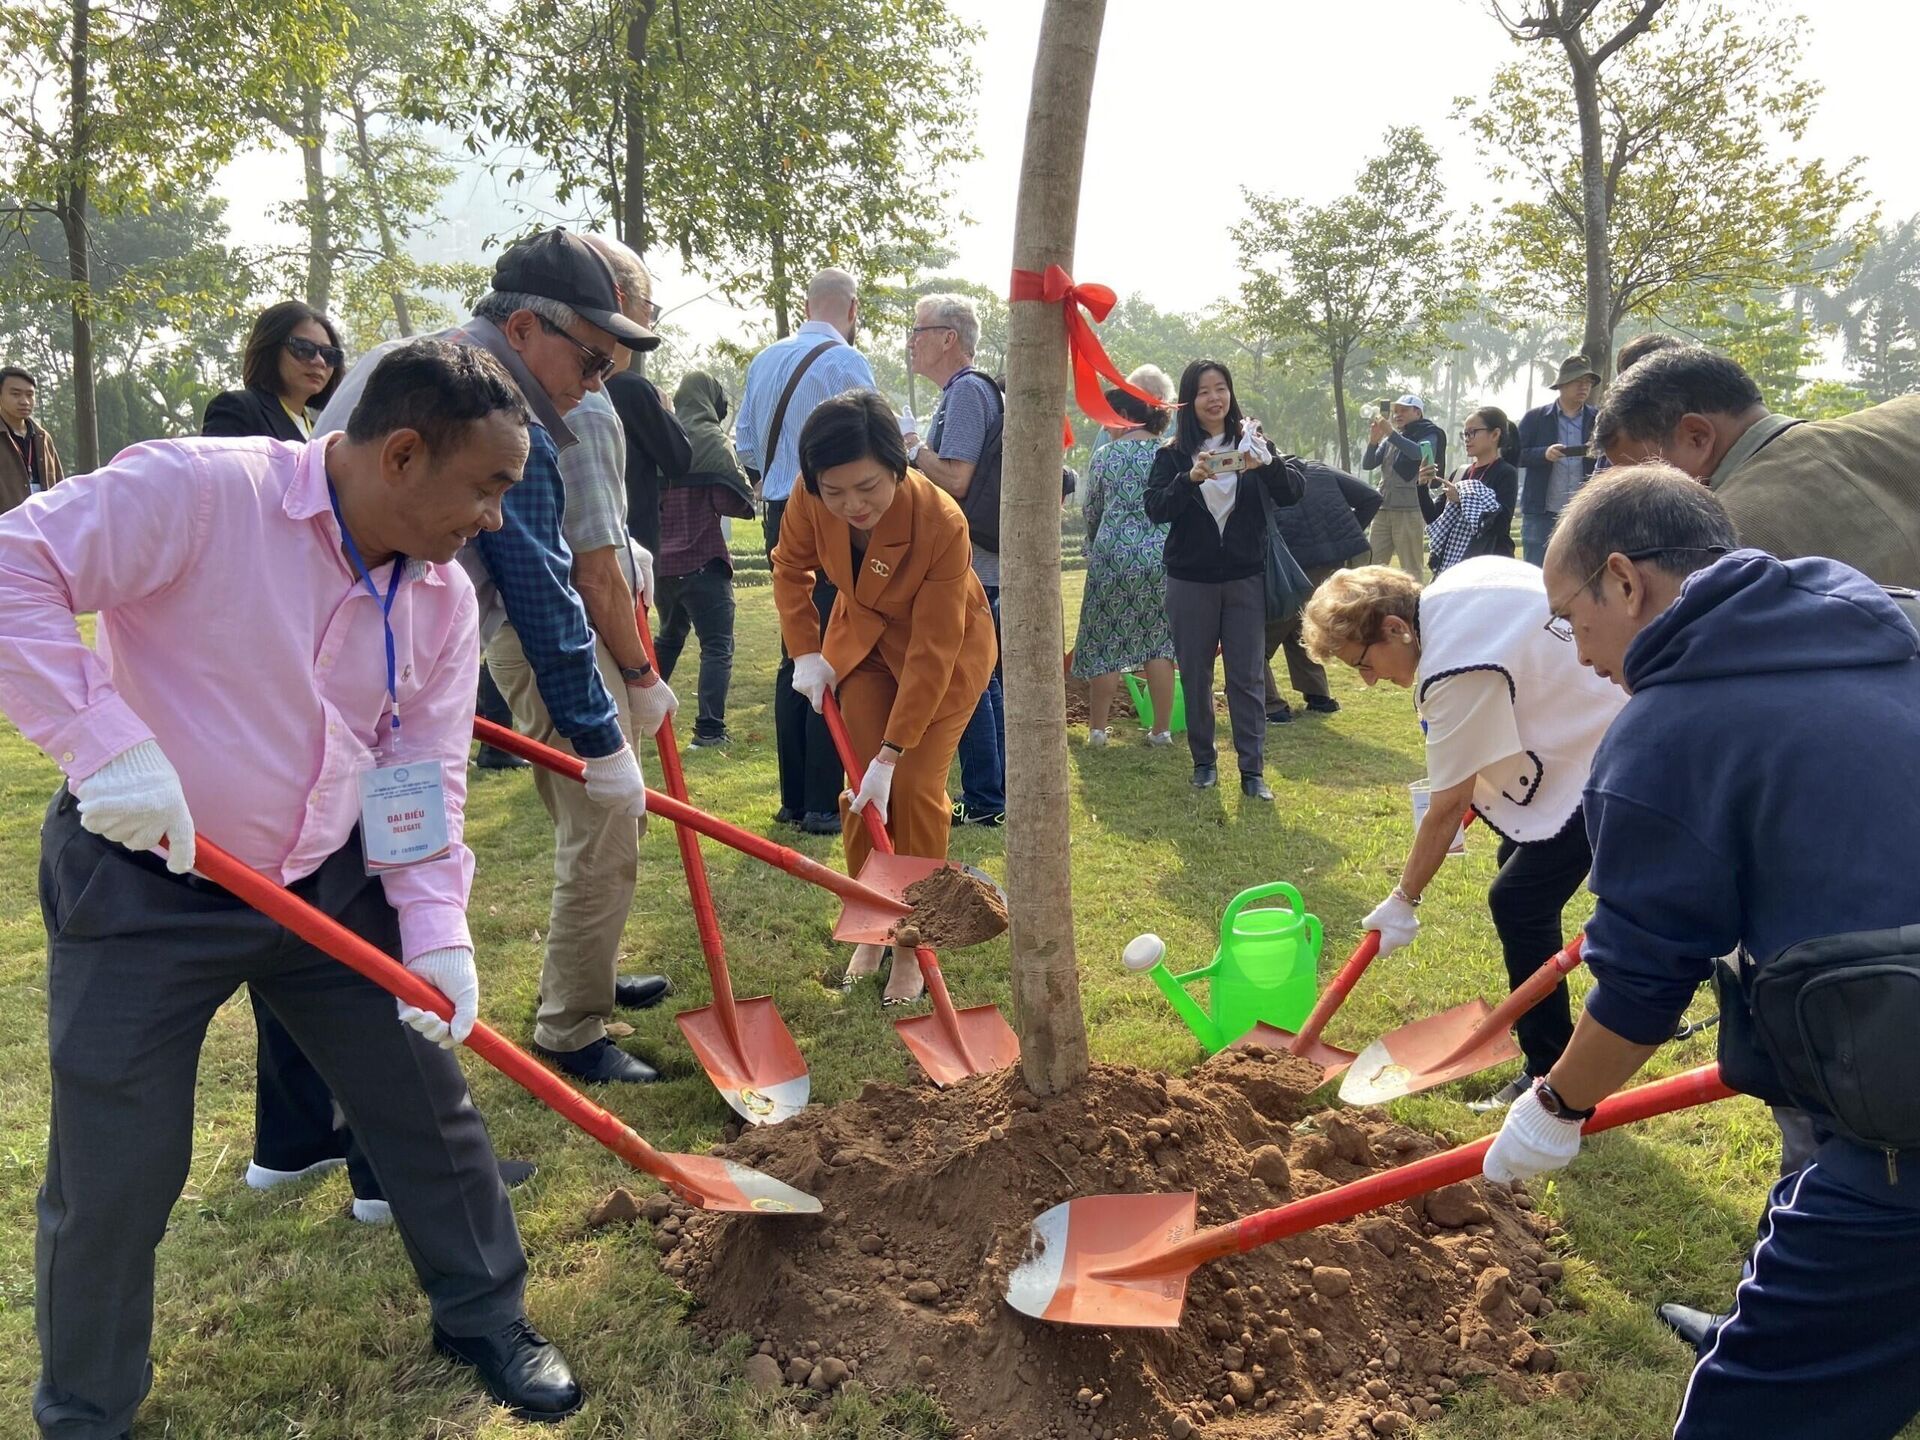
<point>915,600</point>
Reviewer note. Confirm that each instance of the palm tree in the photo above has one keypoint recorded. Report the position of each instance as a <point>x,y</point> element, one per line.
<point>1877,312</point>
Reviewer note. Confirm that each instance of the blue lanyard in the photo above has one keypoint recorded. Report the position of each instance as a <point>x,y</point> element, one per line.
<point>386,606</point>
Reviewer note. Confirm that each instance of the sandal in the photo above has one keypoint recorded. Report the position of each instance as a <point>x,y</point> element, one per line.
<point>850,977</point>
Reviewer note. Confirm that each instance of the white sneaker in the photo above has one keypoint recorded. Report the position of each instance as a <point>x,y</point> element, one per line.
<point>1159,737</point>
<point>1097,738</point>
<point>259,1177</point>
<point>372,1212</point>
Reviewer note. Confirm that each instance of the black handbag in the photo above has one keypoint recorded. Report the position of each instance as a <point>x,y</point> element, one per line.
<point>1287,585</point>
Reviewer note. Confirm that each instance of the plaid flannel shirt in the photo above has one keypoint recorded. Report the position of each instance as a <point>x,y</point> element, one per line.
<point>1451,535</point>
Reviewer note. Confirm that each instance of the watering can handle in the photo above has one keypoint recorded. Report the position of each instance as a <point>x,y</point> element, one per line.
<point>1313,937</point>
<point>1263,892</point>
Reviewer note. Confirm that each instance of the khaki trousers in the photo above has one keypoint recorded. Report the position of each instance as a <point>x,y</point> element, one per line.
<point>919,811</point>
<point>596,863</point>
<point>1402,533</point>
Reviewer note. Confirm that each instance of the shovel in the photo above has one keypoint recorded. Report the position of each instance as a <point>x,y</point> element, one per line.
<point>1453,1044</point>
<point>743,1045</point>
<point>867,912</point>
<point>703,1181</point>
<point>950,1044</point>
<point>1123,1260</point>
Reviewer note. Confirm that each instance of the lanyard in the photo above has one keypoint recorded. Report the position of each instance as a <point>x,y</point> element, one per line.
<point>386,607</point>
<point>25,451</point>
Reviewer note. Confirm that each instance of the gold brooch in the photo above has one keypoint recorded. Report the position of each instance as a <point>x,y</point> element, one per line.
<point>880,567</point>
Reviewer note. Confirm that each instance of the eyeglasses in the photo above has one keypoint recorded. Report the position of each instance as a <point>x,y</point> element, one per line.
<point>654,312</point>
<point>922,329</point>
<point>1560,626</point>
<point>1361,663</point>
<point>305,349</point>
<point>593,364</point>
<point>1476,430</point>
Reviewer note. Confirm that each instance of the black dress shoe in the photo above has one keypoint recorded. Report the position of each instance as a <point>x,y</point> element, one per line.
<point>820,822</point>
<point>641,992</point>
<point>520,1367</point>
<point>1205,777</point>
<point>1280,714</point>
<point>784,816</point>
<point>1691,1325</point>
<point>1323,705</point>
<point>1255,788</point>
<point>491,759</point>
<point>517,1172</point>
<point>600,1063</point>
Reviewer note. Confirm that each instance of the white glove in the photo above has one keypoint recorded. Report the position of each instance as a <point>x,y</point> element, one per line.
<point>615,781</point>
<point>450,972</point>
<point>813,677</point>
<point>1397,923</point>
<point>134,799</point>
<point>1532,1141</point>
<point>876,786</point>
<point>642,573</point>
<point>652,704</point>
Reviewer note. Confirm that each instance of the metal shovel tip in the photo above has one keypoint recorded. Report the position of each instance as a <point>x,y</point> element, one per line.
<point>1374,1078</point>
<point>767,1083</point>
<point>709,1183</point>
<point>1073,1248</point>
<point>1422,1056</point>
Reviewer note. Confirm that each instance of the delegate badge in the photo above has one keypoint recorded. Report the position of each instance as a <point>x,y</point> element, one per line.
<point>403,816</point>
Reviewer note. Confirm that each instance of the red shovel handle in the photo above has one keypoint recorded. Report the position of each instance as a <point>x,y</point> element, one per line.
<point>327,934</point>
<point>1531,991</point>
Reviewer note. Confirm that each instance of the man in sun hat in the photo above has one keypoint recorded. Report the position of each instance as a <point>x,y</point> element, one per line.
<point>1554,443</point>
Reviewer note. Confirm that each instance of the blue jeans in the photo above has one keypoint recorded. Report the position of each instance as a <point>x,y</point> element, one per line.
<point>983,745</point>
<point>1535,531</point>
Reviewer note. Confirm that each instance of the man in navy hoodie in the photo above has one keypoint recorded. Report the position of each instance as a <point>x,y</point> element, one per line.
<point>1757,792</point>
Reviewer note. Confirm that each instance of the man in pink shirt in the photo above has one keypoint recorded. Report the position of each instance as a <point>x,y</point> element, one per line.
<point>250,596</point>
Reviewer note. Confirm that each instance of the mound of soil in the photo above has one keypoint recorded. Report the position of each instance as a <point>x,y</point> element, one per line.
<point>952,909</point>
<point>1359,1329</point>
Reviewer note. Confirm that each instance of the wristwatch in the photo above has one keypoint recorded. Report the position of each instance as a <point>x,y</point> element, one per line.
<point>1551,1102</point>
<point>913,455</point>
<point>635,675</point>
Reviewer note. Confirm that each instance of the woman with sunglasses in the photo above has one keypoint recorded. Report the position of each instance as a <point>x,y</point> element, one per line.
<point>1512,720</point>
<point>293,365</point>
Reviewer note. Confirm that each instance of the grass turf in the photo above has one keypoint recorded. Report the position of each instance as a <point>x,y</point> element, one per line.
<point>279,1316</point>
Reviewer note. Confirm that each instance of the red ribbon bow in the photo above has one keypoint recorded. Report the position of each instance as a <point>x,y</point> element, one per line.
<point>1090,362</point>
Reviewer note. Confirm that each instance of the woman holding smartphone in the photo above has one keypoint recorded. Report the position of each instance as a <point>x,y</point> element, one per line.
<point>1471,512</point>
<point>1206,487</point>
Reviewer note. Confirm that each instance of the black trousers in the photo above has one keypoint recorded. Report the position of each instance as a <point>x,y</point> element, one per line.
<point>810,775</point>
<point>703,603</point>
<point>138,961</point>
<point>1527,897</point>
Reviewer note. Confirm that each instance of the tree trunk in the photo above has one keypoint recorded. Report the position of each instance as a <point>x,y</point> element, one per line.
<point>631,218</point>
<point>1046,982</point>
<point>73,221</point>
<point>389,250</point>
<point>1597,341</point>
<point>1338,372</point>
<point>782,320</point>
<point>313,144</point>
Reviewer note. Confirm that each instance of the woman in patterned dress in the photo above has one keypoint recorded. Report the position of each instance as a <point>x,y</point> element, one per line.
<point>1123,613</point>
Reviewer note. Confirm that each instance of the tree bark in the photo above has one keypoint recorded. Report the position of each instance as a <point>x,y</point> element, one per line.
<point>389,249</point>
<point>313,144</point>
<point>1340,414</point>
<point>1596,343</point>
<point>73,221</point>
<point>631,217</point>
<point>1046,981</point>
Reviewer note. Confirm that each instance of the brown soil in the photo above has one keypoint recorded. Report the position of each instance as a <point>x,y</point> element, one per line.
<point>952,909</point>
<point>1359,1329</point>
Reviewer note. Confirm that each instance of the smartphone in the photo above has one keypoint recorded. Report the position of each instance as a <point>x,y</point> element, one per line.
<point>1577,451</point>
<point>1386,406</point>
<point>1221,462</point>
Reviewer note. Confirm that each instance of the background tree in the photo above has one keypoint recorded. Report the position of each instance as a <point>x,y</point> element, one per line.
<point>1655,186</point>
<point>1367,278</point>
<point>1877,311</point>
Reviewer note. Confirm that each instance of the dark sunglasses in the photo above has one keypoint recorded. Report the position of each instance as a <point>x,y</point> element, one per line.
<point>593,364</point>
<point>305,349</point>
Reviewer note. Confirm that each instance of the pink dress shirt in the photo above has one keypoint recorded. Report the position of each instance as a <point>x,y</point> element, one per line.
<point>234,632</point>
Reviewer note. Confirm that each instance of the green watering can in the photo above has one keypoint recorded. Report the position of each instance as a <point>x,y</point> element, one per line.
<point>1266,969</point>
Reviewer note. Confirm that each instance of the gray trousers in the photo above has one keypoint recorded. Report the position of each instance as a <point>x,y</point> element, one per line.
<point>138,961</point>
<point>1233,618</point>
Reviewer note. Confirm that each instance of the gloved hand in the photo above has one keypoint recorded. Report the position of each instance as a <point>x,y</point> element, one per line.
<point>1397,923</point>
<point>813,677</point>
<point>876,786</point>
<point>652,704</point>
<point>134,799</point>
<point>451,972</point>
<point>642,573</point>
<point>615,781</point>
<point>1531,1142</point>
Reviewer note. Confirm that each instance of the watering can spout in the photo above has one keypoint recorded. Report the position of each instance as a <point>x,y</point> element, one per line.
<point>1148,953</point>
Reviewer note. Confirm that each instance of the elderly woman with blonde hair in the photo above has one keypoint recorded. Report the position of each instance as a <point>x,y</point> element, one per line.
<point>1512,720</point>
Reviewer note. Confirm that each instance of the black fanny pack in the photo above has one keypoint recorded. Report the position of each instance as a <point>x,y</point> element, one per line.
<point>1840,1018</point>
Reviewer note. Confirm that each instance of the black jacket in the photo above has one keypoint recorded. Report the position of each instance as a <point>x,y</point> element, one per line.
<point>1329,525</point>
<point>1496,531</point>
<point>1196,549</point>
<point>1539,429</point>
<point>657,450</point>
<point>249,412</point>
<point>1400,453</point>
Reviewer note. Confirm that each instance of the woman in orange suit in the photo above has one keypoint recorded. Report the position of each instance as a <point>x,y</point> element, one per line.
<point>909,647</point>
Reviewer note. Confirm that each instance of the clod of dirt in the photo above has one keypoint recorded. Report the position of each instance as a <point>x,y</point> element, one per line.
<point>907,935</point>
<point>1455,1206</point>
<point>618,1029</point>
<point>619,1208</point>
<point>657,1207</point>
<point>826,1375</point>
<point>872,1245</point>
<point>953,909</point>
<point>764,1374</point>
<point>1331,1281</point>
<point>1269,1165</point>
<point>1263,1353</point>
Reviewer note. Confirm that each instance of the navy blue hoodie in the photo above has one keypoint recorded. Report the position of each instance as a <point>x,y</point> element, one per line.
<point>1762,787</point>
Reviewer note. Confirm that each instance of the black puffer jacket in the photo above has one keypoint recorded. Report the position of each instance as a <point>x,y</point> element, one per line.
<point>1329,525</point>
<point>1196,547</point>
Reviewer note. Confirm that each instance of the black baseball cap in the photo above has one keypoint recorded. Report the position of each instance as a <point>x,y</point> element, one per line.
<point>557,266</point>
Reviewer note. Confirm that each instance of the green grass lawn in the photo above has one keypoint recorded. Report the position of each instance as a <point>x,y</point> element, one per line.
<point>278,1316</point>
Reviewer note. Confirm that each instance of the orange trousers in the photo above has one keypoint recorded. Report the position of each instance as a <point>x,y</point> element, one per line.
<point>919,812</point>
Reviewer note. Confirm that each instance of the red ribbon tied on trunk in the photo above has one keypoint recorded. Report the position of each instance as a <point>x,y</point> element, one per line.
<point>1090,362</point>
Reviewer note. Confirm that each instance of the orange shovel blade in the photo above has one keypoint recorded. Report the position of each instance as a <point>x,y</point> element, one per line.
<point>1411,1058</point>
<point>1332,1060</point>
<point>990,1044</point>
<point>864,922</point>
<point>766,1084</point>
<point>1071,1245</point>
<point>710,1183</point>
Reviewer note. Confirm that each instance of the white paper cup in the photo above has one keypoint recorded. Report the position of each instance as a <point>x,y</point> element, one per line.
<point>1422,794</point>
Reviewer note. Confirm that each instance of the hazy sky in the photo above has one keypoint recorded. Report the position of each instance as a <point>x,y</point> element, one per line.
<point>1197,97</point>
